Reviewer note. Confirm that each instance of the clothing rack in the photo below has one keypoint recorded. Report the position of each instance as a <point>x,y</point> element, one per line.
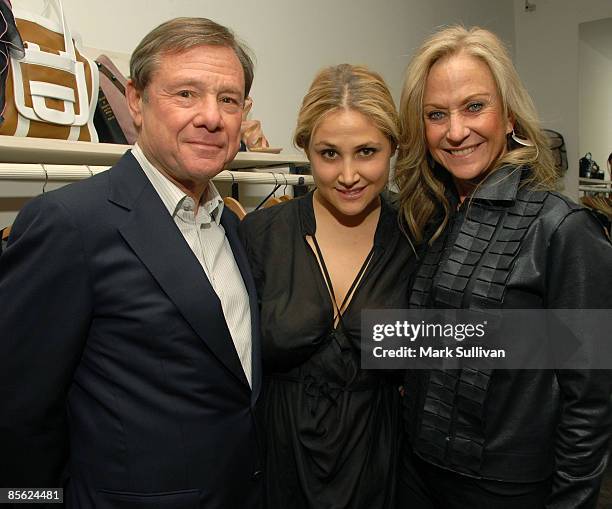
<point>62,173</point>
<point>26,163</point>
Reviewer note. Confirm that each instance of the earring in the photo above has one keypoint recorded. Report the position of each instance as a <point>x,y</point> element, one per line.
<point>521,141</point>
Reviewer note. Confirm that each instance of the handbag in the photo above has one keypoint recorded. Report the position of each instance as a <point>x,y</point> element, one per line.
<point>588,168</point>
<point>53,90</point>
<point>113,120</point>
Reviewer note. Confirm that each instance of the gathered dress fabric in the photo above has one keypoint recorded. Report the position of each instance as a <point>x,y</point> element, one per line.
<point>332,428</point>
<point>510,438</point>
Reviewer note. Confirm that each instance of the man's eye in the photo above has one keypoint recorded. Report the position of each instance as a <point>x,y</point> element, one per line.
<point>230,104</point>
<point>475,107</point>
<point>435,115</point>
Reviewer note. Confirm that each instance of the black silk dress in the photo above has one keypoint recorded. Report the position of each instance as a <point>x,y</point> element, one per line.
<point>332,428</point>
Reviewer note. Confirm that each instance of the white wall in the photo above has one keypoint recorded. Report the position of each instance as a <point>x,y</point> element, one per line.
<point>595,91</point>
<point>547,58</point>
<point>291,39</point>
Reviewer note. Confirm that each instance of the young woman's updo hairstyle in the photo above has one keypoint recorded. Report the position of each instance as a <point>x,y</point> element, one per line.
<point>350,87</point>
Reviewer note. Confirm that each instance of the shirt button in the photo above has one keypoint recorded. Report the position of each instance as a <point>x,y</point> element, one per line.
<point>256,475</point>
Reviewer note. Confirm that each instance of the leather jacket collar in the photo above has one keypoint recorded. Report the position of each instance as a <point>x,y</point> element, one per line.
<point>500,185</point>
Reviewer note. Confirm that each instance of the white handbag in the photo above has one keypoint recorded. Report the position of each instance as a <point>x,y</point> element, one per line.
<point>53,91</point>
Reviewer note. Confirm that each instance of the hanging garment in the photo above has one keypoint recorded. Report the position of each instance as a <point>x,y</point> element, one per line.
<point>11,45</point>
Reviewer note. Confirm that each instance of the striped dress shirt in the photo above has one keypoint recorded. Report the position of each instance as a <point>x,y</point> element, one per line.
<point>203,232</point>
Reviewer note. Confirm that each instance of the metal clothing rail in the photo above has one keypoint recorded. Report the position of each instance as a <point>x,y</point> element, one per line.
<point>56,172</point>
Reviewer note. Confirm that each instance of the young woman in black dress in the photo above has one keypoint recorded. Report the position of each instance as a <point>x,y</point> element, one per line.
<point>331,426</point>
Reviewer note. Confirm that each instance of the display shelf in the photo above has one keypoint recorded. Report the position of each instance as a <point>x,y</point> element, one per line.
<point>70,173</point>
<point>61,152</point>
<point>598,186</point>
<point>583,180</point>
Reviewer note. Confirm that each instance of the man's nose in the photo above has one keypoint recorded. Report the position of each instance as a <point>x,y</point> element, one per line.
<point>208,114</point>
<point>457,129</point>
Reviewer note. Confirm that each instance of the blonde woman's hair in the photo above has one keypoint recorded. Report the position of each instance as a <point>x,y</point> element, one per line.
<point>422,192</point>
<point>349,87</point>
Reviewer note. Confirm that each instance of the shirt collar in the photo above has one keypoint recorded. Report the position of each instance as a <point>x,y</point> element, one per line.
<point>172,196</point>
<point>213,204</point>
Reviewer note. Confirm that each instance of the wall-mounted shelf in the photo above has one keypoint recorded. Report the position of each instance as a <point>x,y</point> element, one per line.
<point>71,173</point>
<point>46,151</point>
<point>583,180</point>
<point>594,185</point>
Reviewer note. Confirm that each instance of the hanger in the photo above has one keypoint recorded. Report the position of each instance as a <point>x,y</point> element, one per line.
<point>232,203</point>
<point>273,200</point>
<point>46,178</point>
<point>6,232</point>
<point>270,202</point>
<point>235,187</point>
<point>235,206</point>
<point>285,196</point>
<point>265,200</point>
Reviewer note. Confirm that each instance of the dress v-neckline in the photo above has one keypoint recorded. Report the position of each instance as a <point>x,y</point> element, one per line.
<point>339,311</point>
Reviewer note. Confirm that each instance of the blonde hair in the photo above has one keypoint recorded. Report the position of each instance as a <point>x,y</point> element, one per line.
<point>422,192</point>
<point>180,34</point>
<point>351,87</point>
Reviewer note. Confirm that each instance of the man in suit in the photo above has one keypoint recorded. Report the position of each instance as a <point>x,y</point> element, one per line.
<point>129,351</point>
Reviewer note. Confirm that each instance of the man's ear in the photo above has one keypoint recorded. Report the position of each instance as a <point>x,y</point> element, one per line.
<point>135,99</point>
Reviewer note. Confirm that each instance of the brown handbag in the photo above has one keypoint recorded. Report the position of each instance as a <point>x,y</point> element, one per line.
<point>52,92</point>
<point>112,104</point>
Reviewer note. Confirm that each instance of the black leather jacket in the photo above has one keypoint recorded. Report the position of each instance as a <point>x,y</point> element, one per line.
<point>513,247</point>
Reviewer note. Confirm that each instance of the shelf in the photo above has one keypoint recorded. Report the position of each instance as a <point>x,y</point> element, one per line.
<point>583,180</point>
<point>71,173</point>
<point>14,149</point>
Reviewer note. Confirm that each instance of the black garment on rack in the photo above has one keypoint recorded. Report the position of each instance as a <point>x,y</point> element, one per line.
<point>11,45</point>
<point>331,427</point>
<point>514,247</point>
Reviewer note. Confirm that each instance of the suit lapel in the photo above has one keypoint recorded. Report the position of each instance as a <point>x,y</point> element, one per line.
<point>151,233</point>
<point>230,225</point>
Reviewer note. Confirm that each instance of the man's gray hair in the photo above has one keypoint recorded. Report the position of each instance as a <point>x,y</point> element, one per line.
<point>180,34</point>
